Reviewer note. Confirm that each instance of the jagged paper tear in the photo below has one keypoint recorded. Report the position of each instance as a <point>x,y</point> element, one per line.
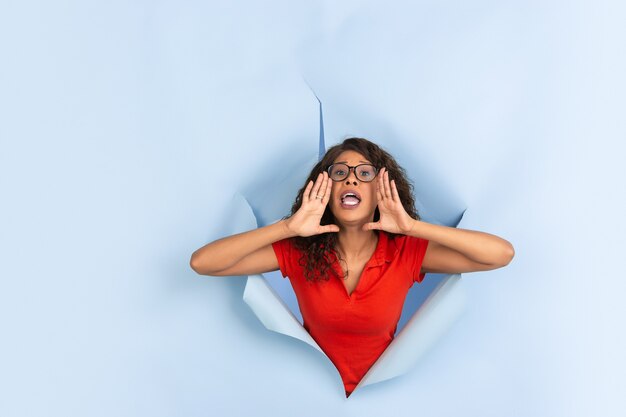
<point>443,306</point>
<point>276,305</point>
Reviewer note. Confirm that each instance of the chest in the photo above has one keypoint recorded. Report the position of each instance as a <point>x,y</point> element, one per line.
<point>354,273</point>
<point>369,301</point>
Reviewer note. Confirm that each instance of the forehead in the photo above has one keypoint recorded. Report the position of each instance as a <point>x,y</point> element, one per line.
<point>351,158</point>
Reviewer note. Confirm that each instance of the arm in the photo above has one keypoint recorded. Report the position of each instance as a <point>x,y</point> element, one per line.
<point>452,250</point>
<point>449,250</point>
<point>250,252</point>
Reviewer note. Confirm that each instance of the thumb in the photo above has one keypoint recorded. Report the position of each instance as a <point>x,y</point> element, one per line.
<point>371,226</point>
<point>330,228</point>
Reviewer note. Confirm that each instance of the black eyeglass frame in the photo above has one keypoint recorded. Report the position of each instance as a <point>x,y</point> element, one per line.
<point>350,168</point>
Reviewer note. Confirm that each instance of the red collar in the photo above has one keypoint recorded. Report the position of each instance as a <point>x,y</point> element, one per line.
<point>386,249</point>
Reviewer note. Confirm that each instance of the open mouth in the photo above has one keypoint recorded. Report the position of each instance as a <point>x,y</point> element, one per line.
<point>350,200</point>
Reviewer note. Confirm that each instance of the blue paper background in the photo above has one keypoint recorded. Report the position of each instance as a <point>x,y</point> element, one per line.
<point>127,128</point>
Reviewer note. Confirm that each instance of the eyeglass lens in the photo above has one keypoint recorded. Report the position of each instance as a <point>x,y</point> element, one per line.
<point>364,173</point>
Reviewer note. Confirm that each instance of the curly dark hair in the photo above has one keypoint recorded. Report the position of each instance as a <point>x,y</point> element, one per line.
<point>319,250</point>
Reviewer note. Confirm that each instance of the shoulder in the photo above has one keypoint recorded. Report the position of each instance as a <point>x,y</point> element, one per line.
<point>287,256</point>
<point>287,248</point>
<point>406,243</point>
<point>410,252</point>
<point>410,249</point>
<point>284,245</point>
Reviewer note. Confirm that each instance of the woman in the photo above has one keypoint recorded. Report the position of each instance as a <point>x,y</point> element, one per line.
<point>352,247</point>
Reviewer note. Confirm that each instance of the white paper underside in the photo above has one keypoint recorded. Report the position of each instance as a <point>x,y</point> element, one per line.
<point>442,308</point>
<point>435,316</point>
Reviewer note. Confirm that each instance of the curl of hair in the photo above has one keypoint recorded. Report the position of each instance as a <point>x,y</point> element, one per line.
<point>319,250</point>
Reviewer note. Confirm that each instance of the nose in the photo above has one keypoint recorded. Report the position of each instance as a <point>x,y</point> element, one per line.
<point>351,175</point>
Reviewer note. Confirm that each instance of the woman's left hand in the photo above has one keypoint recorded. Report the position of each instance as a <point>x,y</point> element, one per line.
<point>393,217</point>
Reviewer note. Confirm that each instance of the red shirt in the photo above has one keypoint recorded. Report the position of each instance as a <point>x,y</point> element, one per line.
<point>354,330</point>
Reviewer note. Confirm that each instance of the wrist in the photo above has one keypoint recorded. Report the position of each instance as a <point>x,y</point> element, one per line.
<point>410,228</point>
<point>286,230</point>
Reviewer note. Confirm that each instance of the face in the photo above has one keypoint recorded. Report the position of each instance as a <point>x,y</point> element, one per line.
<point>362,212</point>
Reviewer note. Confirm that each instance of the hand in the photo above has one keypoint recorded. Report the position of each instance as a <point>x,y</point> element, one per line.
<point>393,217</point>
<point>306,221</point>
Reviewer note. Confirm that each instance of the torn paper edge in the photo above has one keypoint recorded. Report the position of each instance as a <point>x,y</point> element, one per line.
<point>434,317</point>
<point>428,324</point>
<point>273,312</point>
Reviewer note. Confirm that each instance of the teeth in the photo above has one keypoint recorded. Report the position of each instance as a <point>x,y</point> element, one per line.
<point>350,195</point>
<point>352,203</point>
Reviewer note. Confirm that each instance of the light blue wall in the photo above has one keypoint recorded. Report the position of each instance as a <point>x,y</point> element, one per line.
<point>126,128</point>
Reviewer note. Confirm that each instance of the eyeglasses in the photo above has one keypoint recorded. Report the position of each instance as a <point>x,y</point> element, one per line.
<point>363,172</point>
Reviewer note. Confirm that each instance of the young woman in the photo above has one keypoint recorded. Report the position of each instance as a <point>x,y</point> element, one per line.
<point>352,247</point>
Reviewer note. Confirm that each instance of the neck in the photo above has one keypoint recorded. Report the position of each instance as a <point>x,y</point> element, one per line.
<point>354,243</point>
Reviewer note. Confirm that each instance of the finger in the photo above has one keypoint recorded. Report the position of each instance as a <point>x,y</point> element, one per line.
<point>316,187</point>
<point>371,226</point>
<point>324,187</point>
<point>307,190</point>
<point>329,228</point>
<point>387,189</point>
<point>379,185</point>
<point>329,187</point>
<point>394,191</point>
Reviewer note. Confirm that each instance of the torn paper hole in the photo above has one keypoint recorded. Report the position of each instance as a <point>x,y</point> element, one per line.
<point>430,309</point>
<point>277,309</point>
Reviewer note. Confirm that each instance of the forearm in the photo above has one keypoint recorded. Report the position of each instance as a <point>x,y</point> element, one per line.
<point>225,252</point>
<point>478,246</point>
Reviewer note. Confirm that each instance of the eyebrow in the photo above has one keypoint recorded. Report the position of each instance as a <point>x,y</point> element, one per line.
<point>346,162</point>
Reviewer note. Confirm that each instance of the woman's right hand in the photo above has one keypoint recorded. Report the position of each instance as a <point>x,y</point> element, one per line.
<point>306,221</point>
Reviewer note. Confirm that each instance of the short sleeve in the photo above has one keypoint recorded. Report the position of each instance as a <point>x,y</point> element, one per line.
<point>414,250</point>
<point>283,251</point>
